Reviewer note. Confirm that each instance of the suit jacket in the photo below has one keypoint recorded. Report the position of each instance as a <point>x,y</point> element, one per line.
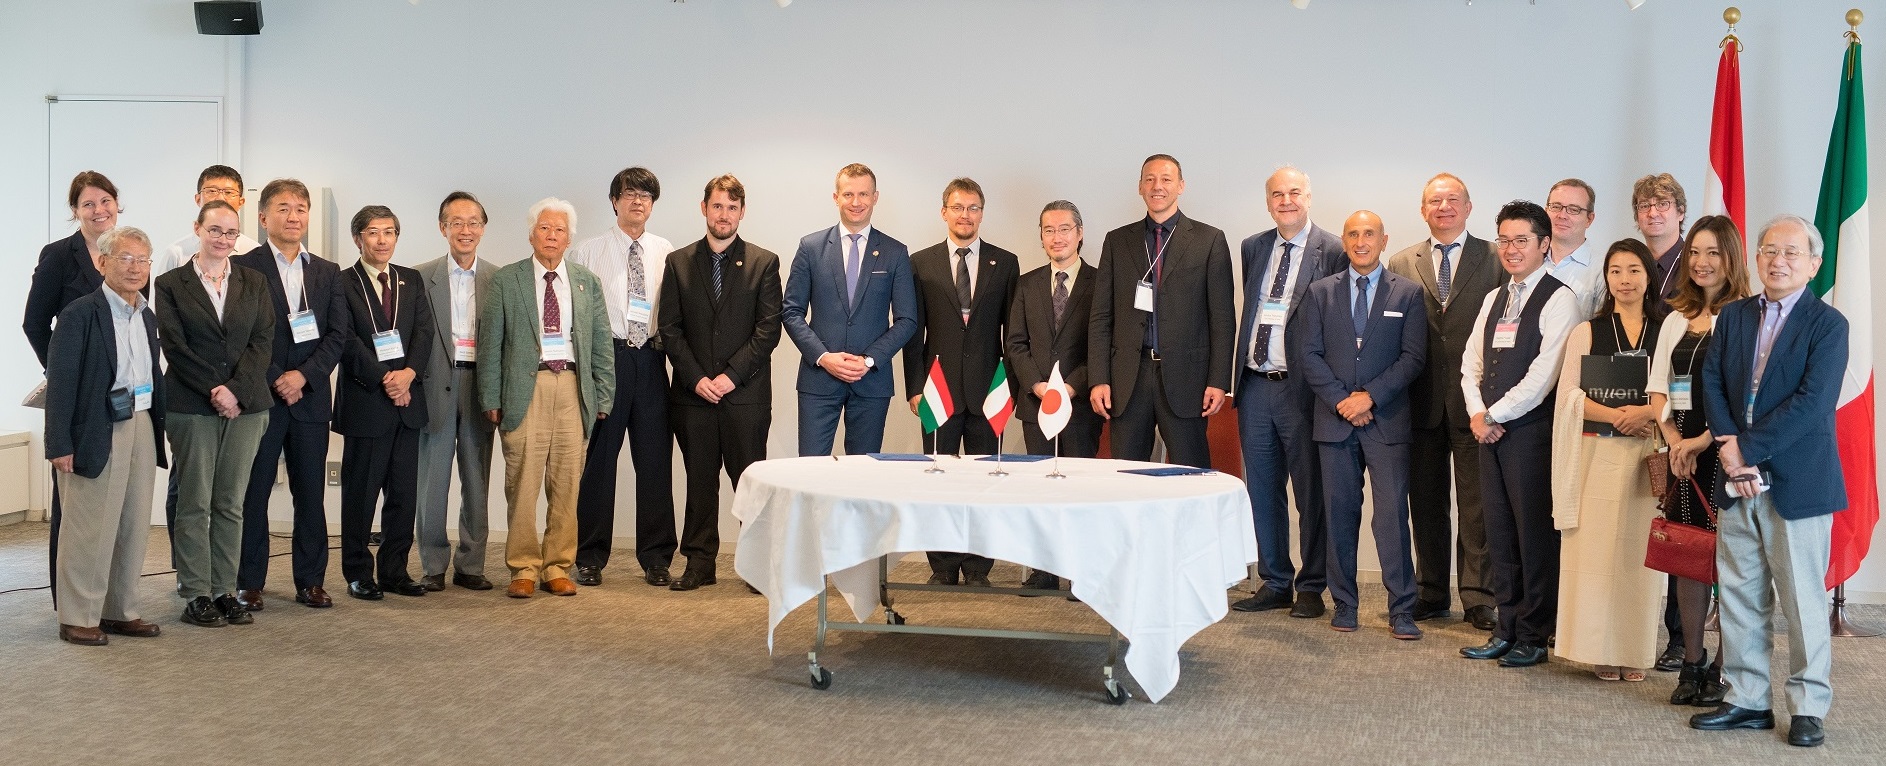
<point>877,322</point>
<point>204,352</point>
<point>315,359</point>
<point>362,407</point>
<point>734,335</point>
<point>1393,352</point>
<point>1476,273</point>
<point>1196,309</point>
<point>969,351</point>
<point>84,354</point>
<point>436,275</point>
<point>509,332</point>
<point>65,274</point>
<point>1792,439</point>
<point>1323,256</point>
<point>1035,345</point>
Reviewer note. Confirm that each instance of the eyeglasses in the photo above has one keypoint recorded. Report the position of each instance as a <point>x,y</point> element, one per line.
<point>1791,255</point>
<point>1660,205</point>
<point>218,232</point>
<point>1556,208</point>
<point>217,192</point>
<point>637,195</point>
<point>1504,242</point>
<point>1066,230</point>
<point>462,225</point>
<point>959,209</point>
<point>130,260</point>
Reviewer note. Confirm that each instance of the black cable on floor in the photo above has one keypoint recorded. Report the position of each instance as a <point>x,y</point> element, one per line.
<point>48,586</point>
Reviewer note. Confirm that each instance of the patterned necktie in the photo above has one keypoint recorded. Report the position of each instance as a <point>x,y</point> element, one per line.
<point>553,317</point>
<point>1360,315</point>
<point>386,299</point>
<point>638,289</point>
<point>853,262</point>
<point>719,263</point>
<point>1060,297</point>
<point>1446,277</point>
<point>1262,354</point>
<point>1512,301</point>
<point>962,281</point>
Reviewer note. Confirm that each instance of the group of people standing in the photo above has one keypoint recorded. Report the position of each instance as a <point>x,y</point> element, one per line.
<point>1452,373</point>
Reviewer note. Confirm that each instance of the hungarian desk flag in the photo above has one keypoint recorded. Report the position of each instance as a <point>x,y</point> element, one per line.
<point>1056,410</point>
<point>997,406</point>
<point>1723,191</point>
<point>1845,280</point>
<point>936,407</point>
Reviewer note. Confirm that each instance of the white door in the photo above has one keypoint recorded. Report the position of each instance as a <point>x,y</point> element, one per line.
<point>152,148</point>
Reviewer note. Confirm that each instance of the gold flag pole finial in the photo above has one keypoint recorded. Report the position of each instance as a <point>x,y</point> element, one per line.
<point>1731,15</point>
<point>1854,17</point>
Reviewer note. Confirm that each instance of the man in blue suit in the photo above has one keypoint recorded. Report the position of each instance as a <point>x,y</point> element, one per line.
<point>1273,402</point>
<point>1771,382</point>
<point>851,304</point>
<point>1365,335</point>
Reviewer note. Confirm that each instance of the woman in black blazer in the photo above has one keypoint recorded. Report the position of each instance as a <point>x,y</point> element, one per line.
<point>68,268</point>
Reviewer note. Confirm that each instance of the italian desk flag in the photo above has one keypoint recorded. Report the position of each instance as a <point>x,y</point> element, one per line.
<point>1724,190</point>
<point>997,406</point>
<point>1844,280</point>
<point>936,407</point>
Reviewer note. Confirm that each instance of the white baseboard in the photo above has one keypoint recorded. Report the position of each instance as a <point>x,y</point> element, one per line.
<point>15,517</point>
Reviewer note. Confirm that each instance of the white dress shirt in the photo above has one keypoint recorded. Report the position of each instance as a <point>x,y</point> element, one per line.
<point>217,288</point>
<point>562,287</point>
<point>975,254</point>
<point>134,348</point>
<point>607,254</point>
<point>1579,272</point>
<point>180,251</point>
<point>463,284</point>
<point>1297,245</point>
<point>1556,320</point>
<point>293,285</point>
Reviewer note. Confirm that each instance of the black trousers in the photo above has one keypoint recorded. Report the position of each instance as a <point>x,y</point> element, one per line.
<point>1081,437</point>
<point>729,436</point>
<point>1445,472</point>
<point>639,416</point>
<point>1147,410</point>
<point>372,468</point>
<point>304,444</point>
<point>965,433</point>
<point>1523,546</point>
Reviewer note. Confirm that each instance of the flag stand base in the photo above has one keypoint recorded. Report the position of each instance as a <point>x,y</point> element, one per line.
<point>1837,618</point>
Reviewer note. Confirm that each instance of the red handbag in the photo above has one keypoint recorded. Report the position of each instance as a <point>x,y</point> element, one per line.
<point>1683,550</point>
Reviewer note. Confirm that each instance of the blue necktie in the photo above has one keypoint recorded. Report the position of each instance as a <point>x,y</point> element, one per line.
<point>1361,314</point>
<point>1446,277</point>
<point>1276,292</point>
<point>853,261</point>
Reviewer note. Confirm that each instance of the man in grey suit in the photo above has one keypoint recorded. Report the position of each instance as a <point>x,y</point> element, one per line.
<point>1456,270</point>
<point>456,431</point>
<point>1365,338</point>
<point>1274,403</point>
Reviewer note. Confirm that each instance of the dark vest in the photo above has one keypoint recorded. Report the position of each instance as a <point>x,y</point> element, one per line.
<point>1503,368</point>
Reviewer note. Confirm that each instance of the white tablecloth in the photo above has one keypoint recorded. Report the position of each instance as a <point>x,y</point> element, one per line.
<point>1151,555</point>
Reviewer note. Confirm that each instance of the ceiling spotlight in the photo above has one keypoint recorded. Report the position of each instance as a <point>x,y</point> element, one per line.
<point>782,3</point>
<point>1300,4</point>
<point>1634,4</point>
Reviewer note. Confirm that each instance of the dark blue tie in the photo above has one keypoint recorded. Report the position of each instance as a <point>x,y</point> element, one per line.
<point>1276,292</point>
<point>1446,277</point>
<point>1361,313</point>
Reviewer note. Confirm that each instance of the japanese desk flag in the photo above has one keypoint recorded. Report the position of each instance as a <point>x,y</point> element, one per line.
<point>1055,408</point>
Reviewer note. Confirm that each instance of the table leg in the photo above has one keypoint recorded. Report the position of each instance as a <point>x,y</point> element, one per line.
<point>891,617</point>
<point>821,678</point>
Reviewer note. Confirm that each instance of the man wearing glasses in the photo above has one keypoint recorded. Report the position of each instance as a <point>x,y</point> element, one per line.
<point>215,182</point>
<point>1572,205</point>
<point>1661,209</point>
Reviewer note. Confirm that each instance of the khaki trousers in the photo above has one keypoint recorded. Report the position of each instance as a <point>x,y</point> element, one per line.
<point>103,528</point>
<point>544,454</point>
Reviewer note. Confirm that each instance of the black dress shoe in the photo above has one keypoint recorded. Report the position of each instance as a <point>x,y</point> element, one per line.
<point>1523,655</point>
<point>1308,606</point>
<point>1428,610</point>
<point>938,578</point>
<point>1482,617</point>
<point>1493,649</point>
<point>364,590</point>
<point>314,596</point>
<point>693,578</point>
<point>406,587</point>
<point>202,611</point>
<point>1805,731</point>
<point>1731,717</point>
<point>233,611</point>
<point>657,577</point>
<point>1040,579</point>
<point>1671,660</point>
<point>1264,600</point>
<point>753,590</point>
<point>977,581</point>
<point>588,575</point>
<point>434,583</point>
<point>470,581</point>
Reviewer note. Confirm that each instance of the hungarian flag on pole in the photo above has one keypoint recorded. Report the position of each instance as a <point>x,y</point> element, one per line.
<point>936,407</point>
<point>1845,280</point>
<point>997,406</point>
<point>1723,191</point>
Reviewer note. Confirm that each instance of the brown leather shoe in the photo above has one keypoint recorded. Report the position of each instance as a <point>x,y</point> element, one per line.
<point>73,634</point>
<point>250,599</point>
<point>133,628</point>
<point>521,588</point>
<point>314,596</point>
<point>562,586</point>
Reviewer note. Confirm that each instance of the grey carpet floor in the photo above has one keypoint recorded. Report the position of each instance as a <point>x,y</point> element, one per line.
<point>629,674</point>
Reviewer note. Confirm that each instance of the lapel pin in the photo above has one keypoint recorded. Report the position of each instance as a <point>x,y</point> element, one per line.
<point>739,263</point>
<point>874,253</point>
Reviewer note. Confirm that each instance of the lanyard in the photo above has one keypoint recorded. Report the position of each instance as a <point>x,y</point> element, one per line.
<point>1154,258</point>
<point>392,289</point>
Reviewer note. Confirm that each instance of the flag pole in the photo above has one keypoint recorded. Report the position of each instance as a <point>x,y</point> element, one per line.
<point>1057,459</point>
<point>934,468</point>
<point>998,458</point>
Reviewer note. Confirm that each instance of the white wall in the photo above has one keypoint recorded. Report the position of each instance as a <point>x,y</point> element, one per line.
<point>397,103</point>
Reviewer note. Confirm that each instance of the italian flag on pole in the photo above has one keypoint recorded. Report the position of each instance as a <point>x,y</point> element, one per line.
<point>997,406</point>
<point>1844,280</point>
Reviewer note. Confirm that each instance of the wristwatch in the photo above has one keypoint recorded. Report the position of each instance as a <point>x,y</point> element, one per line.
<point>870,362</point>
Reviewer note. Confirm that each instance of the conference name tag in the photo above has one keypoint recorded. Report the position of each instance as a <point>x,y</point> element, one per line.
<point>640,309</point>
<point>1273,313</point>
<point>301,323</point>
<point>386,346</point>
<point>1505,334</point>
<point>1143,296</point>
<point>464,349</point>
<point>1680,393</point>
<point>557,347</point>
<point>141,397</point>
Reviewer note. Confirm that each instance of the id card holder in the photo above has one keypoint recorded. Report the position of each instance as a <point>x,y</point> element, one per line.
<point>1143,296</point>
<point>1680,393</point>
<point>557,347</point>
<point>640,309</point>
<point>1505,334</point>
<point>386,346</point>
<point>302,324</point>
<point>1273,313</point>
<point>464,349</point>
<point>141,397</point>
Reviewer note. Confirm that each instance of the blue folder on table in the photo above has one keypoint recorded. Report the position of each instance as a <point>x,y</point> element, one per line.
<point>907,457</point>
<point>1015,458</point>
<point>1171,470</point>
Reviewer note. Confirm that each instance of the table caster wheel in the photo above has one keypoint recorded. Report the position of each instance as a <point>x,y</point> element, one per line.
<point>893,618</point>
<point>1115,694</point>
<point>821,678</point>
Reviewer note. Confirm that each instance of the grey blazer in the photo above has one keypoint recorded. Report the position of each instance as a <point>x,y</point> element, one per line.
<point>439,380</point>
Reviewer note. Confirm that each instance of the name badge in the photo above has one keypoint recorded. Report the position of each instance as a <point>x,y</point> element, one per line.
<point>1505,333</point>
<point>557,346</point>
<point>640,309</point>
<point>1680,393</point>
<point>386,346</point>
<point>464,349</point>
<point>301,323</point>
<point>141,397</point>
<point>1273,313</point>
<point>1143,296</point>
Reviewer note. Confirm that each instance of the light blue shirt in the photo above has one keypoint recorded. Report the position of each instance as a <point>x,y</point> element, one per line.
<point>134,348</point>
<point>1375,281</point>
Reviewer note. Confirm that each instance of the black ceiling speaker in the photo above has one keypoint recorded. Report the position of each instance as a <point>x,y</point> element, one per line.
<point>229,17</point>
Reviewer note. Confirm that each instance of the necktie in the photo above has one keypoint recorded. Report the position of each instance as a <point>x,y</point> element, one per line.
<point>638,290</point>
<point>853,262</point>
<point>553,317</point>
<point>962,281</point>
<point>1159,262</point>
<point>719,263</point>
<point>386,299</point>
<point>1512,300</point>
<point>1361,313</point>
<point>1060,297</point>
<point>1764,343</point>
<point>1262,354</point>
<point>1446,277</point>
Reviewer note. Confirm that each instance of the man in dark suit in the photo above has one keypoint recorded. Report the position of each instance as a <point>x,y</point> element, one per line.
<point>1455,269</point>
<point>964,286</point>
<point>1047,325</point>
<point>850,304</point>
<point>1365,338</point>
<point>311,329</point>
<point>720,324</point>
<point>1160,335</point>
<point>381,407</point>
<point>1273,401</point>
<point>1771,383</point>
